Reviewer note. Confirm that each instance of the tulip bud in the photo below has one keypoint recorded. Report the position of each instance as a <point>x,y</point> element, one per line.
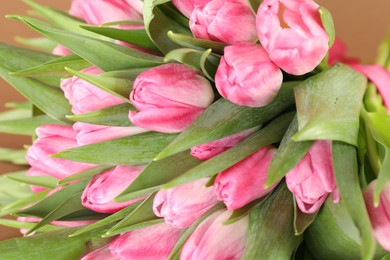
<point>103,253</point>
<point>61,51</point>
<point>187,6</point>
<point>300,45</point>
<point>53,139</point>
<point>379,216</point>
<point>183,205</point>
<point>312,179</point>
<point>244,181</point>
<point>246,76</point>
<point>214,240</point>
<point>214,22</point>
<point>106,186</point>
<point>169,98</point>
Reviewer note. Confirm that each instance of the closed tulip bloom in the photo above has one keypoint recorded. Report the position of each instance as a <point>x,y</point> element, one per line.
<point>214,21</point>
<point>246,76</point>
<point>61,51</point>
<point>301,43</point>
<point>212,240</point>
<point>169,98</point>
<point>312,179</point>
<point>183,205</point>
<point>187,6</point>
<point>106,186</point>
<point>244,181</point>
<point>103,253</point>
<point>53,139</point>
<point>379,216</point>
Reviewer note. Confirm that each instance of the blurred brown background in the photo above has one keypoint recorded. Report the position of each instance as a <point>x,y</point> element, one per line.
<point>360,23</point>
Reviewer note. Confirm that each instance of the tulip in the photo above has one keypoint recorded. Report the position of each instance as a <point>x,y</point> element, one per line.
<point>183,205</point>
<point>53,139</point>
<point>312,179</point>
<point>187,6</point>
<point>244,181</point>
<point>106,186</point>
<point>212,240</point>
<point>61,51</point>
<point>214,21</point>
<point>379,216</point>
<point>246,76</point>
<point>300,45</point>
<point>169,98</point>
<point>103,253</point>
<point>209,150</point>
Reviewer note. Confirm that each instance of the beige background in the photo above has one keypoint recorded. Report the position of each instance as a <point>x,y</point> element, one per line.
<point>361,23</point>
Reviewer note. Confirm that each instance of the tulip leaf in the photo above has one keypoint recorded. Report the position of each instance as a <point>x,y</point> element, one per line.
<point>84,175</point>
<point>337,91</point>
<point>302,220</point>
<point>26,225</point>
<point>224,118</point>
<point>137,37</point>
<point>26,126</point>
<point>136,149</point>
<point>271,224</point>
<point>13,114</point>
<point>346,173</point>
<point>254,4</point>
<point>55,66</point>
<point>287,156</point>
<point>327,22</point>
<point>22,203</point>
<point>135,227</point>
<point>268,135</point>
<point>105,55</point>
<point>130,74</point>
<point>157,173</point>
<point>13,156</point>
<point>42,181</point>
<point>40,43</point>
<point>11,191</point>
<point>244,211</point>
<point>198,44</point>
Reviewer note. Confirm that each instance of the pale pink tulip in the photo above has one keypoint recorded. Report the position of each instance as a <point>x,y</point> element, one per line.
<point>244,181</point>
<point>169,98</point>
<point>212,240</point>
<point>209,150</point>
<point>301,43</point>
<point>187,6</point>
<point>312,179</point>
<point>53,139</point>
<point>61,51</point>
<point>246,76</point>
<point>379,216</point>
<point>103,253</point>
<point>183,205</point>
<point>227,21</point>
<point>106,186</point>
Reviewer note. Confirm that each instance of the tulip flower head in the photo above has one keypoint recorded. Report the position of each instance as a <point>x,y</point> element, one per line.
<point>187,6</point>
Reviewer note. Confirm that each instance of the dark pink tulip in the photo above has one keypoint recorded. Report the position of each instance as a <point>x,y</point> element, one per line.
<point>187,6</point>
<point>244,181</point>
<point>212,240</point>
<point>169,98</point>
<point>227,21</point>
<point>312,179</point>
<point>53,139</point>
<point>379,216</point>
<point>106,186</point>
<point>298,46</point>
<point>246,76</point>
<point>183,205</point>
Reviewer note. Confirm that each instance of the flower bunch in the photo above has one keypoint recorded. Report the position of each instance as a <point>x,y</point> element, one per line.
<point>197,129</point>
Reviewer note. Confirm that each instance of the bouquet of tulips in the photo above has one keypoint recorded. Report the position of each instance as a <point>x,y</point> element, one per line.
<point>195,129</point>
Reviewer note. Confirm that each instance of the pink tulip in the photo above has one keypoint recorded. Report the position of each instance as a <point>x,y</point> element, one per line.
<point>187,6</point>
<point>379,216</point>
<point>169,98</point>
<point>227,21</point>
<point>106,186</point>
<point>338,53</point>
<point>244,181</point>
<point>212,240</point>
<point>209,150</point>
<point>246,76</point>
<point>61,51</point>
<point>153,242</point>
<point>312,179</point>
<point>107,11</point>
<point>300,45</point>
<point>183,205</point>
<point>53,139</point>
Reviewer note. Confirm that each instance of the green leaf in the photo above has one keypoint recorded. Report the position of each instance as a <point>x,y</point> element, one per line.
<point>198,44</point>
<point>224,118</point>
<point>244,211</point>
<point>84,175</point>
<point>270,232</point>
<point>254,4</point>
<point>287,156</point>
<point>26,225</point>
<point>13,114</point>
<point>54,67</point>
<point>42,181</point>
<point>158,173</point>
<point>302,220</point>
<point>13,156</point>
<point>130,74</point>
<point>26,126</point>
<point>136,149</point>
<point>22,203</point>
<point>346,173</point>
<point>337,91</point>
<point>11,191</point>
<point>40,43</point>
<point>270,134</point>
<point>327,22</point>
<point>118,87</point>
<point>105,55</point>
